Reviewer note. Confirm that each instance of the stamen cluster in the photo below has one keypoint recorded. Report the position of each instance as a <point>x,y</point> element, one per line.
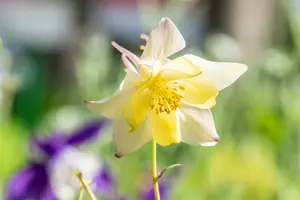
<point>165,96</point>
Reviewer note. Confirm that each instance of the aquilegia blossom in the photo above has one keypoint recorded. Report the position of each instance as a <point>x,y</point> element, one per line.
<point>165,100</point>
<point>53,176</point>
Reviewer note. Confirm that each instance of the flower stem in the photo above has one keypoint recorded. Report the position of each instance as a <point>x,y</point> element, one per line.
<point>85,186</point>
<point>154,172</point>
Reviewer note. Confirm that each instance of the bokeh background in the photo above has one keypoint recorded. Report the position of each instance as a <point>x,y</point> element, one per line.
<point>56,54</point>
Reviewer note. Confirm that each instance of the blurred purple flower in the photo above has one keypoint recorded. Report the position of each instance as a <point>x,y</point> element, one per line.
<point>148,193</point>
<point>34,181</point>
<point>58,141</point>
<point>103,180</point>
<point>30,182</point>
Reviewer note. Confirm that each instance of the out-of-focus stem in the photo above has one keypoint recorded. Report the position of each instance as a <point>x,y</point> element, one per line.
<point>85,186</point>
<point>80,196</point>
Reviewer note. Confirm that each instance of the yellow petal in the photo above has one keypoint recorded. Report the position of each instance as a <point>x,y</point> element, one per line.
<point>135,108</point>
<point>180,68</point>
<point>125,142</point>
<point>208,104</point>
<point>111,107</point>
<point>163,41</point>
<point>198,90</point>
<point>165,128</point>
<point>197,126</point>
<point>222,74</point>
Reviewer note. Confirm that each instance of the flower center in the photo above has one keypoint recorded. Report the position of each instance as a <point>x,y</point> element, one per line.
<point>165,96</point>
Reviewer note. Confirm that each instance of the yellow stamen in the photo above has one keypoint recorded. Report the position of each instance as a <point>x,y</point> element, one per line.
<point>165,96</point>
<point>144,36</point>
<point>181,87</point>
<point>142,47</point>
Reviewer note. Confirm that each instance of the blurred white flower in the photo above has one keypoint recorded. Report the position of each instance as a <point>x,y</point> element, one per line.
<point>62,172</point>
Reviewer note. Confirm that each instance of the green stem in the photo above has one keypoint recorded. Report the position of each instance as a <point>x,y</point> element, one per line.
<point>80,196</point>
<point>85,186</point>
<point>154,172</point>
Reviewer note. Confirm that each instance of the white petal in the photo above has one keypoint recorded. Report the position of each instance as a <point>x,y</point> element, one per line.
<point>130,79</point>
<point>126,142</point>
<point>197,126</point>
<point>222,74</point>
<point>163,41</point>
<point>111,107</point>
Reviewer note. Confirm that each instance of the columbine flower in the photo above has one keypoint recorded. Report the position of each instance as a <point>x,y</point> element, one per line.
<point>167,100</point>
<point>53,177</point>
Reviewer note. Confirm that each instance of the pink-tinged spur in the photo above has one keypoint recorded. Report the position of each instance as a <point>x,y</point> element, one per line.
<point>165,100</point>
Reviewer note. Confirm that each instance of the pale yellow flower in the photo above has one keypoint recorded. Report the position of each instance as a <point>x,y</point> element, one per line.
<point>165,100</point>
